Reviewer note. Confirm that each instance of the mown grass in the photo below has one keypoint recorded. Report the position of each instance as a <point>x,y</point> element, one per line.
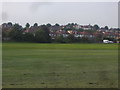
<point>33,65</point>
<point>60,46</point>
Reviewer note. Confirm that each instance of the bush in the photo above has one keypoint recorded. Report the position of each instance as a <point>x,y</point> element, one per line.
<point>28,37</point>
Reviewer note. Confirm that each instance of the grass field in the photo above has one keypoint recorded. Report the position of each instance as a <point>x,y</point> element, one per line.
<point>31,65</point>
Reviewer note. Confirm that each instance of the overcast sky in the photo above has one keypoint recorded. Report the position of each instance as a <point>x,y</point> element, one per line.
<point>101,13</point>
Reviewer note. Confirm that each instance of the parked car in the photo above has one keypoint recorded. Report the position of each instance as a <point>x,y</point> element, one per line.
<point>107,41</point>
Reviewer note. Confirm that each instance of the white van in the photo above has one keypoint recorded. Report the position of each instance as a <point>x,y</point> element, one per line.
<point>107,41</point>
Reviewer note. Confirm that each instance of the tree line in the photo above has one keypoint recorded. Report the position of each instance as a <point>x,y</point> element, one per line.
<point>16,33</point>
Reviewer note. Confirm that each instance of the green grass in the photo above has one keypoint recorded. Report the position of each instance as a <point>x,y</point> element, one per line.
<point>33,65</point>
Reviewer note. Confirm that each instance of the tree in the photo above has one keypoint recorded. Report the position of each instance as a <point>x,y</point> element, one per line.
<point>99,37</point>
<point>10,24</point>
<point>95,27</point>
<point>48,25</point>
<point>57,24</point>
<point>17,27</point>
<point>28,37</point>
<point>71,38</point>
<point>27,25</point>
<point>5,35</point>
<point>42,35</point>
<point>35,25</point>
<point>16,33</point>
<point>72,24</point>
<point>106,27</point>
<point>85,40</point>
<point>80,29</point>
<point>60,39</point>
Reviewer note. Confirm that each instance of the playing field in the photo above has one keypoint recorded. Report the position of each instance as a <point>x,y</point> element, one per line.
<point>31,65</point>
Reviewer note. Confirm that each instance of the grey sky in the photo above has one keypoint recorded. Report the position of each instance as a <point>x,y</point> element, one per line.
<point>101,13</point>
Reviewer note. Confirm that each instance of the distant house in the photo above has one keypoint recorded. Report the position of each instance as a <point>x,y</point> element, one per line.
<point>84,34</point>
<point>77,26</point>
<point>32,29</point>
<point>55,28</point>
<point>86,27</point>
<point>57,33</point>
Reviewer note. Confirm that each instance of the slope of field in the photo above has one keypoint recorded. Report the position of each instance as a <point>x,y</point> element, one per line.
<point>31,65</point>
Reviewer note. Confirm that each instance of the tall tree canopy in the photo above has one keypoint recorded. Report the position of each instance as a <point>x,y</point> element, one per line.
<point>16,32</point>
<point>10,24</point>
<point>57,24</point>
<point>48,25</point>
<point>27,25</point>
<point>35,25</point>
<point>42,35</point>
<point>106,27</point>
<point>96,27</point>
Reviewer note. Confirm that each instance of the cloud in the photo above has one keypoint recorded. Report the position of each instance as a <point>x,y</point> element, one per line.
<point>36,5</point>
